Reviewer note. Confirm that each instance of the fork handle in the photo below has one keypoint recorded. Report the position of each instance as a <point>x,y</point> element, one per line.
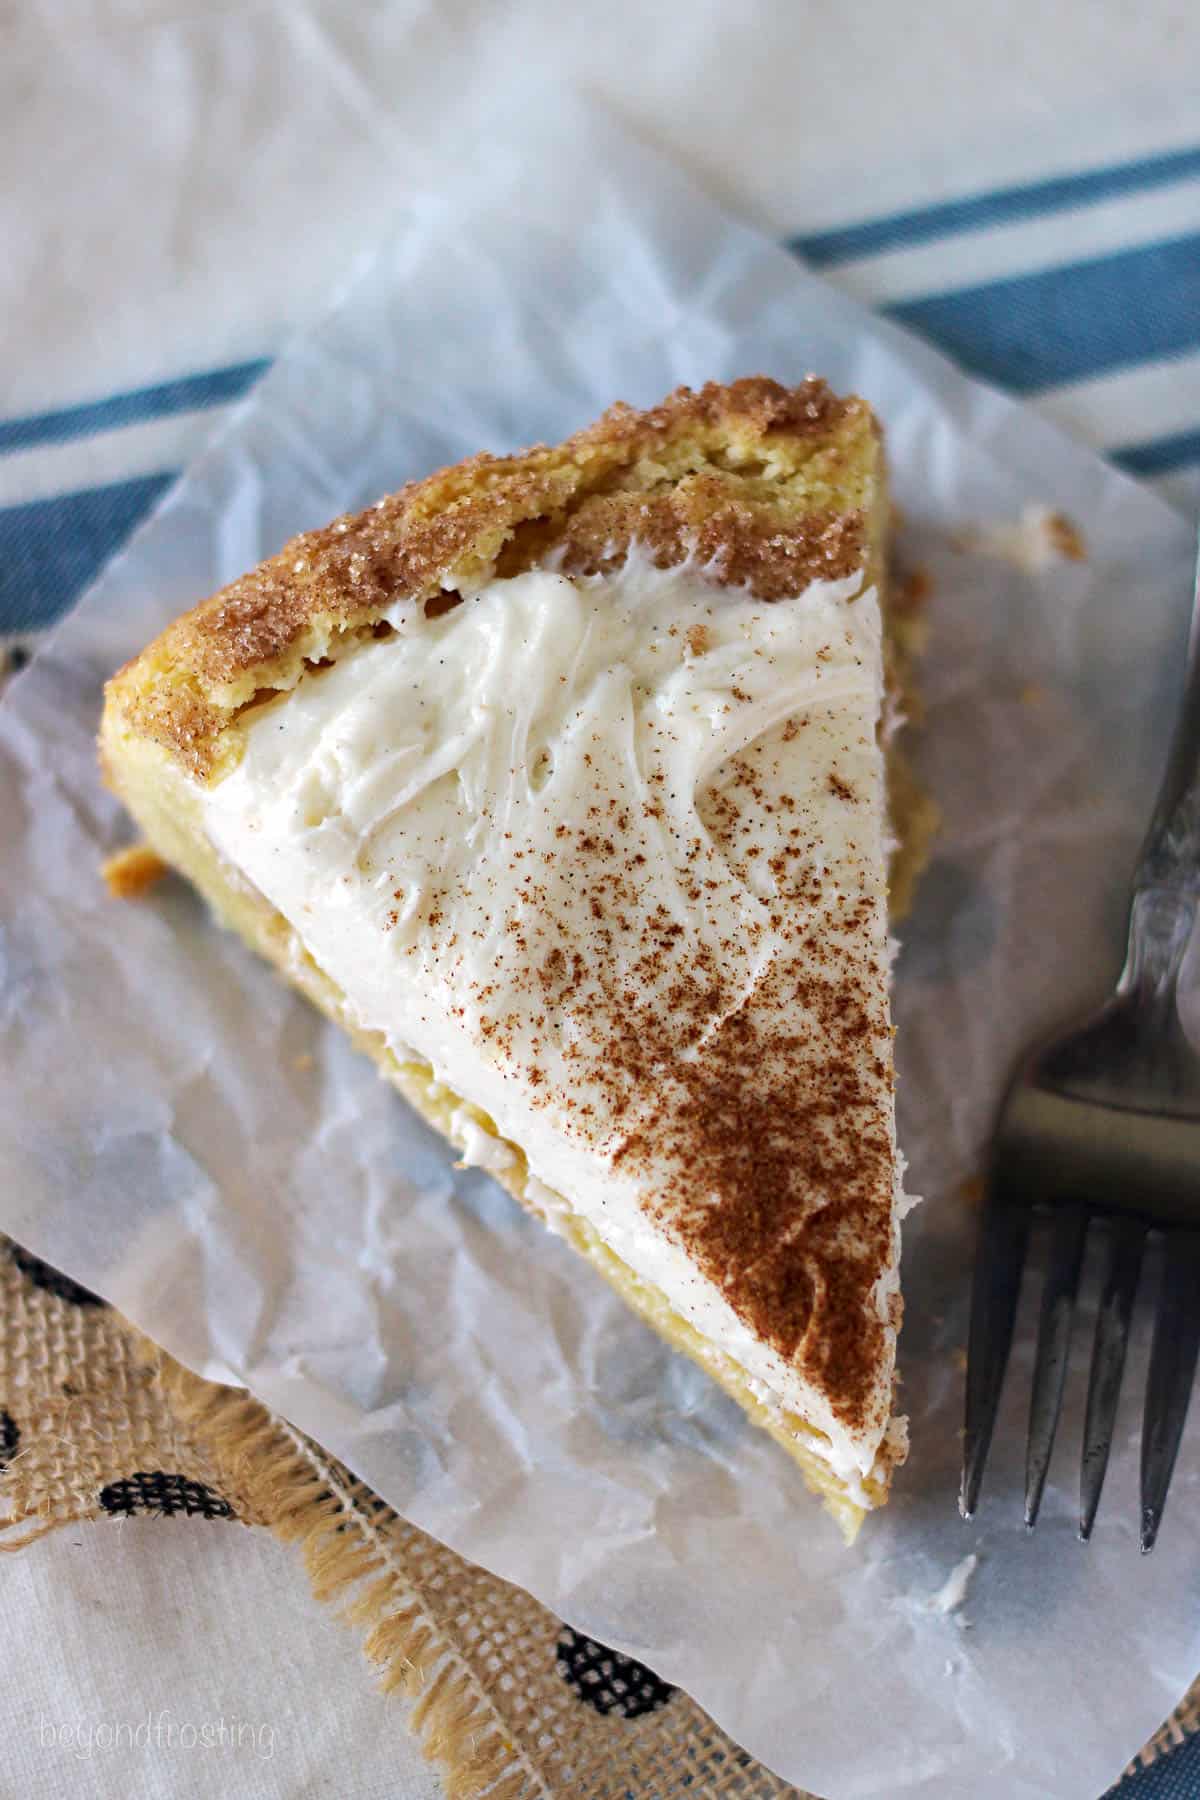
<point>1166,882</point>
<point>1170,856</point>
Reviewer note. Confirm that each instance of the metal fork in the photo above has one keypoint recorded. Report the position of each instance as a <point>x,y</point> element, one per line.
<point>1101,1128</point>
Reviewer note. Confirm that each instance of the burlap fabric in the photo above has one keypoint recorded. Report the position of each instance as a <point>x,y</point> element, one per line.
<point>96,1421</point>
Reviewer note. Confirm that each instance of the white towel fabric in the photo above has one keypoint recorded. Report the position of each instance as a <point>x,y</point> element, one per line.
<point>185,1660</point>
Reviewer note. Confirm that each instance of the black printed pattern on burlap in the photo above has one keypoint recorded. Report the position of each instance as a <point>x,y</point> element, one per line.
<point>362,1498</point>
<point>52,1280</point>
<point>168,1496</point>
<point>10,1438</point>
<point>608,1681</point>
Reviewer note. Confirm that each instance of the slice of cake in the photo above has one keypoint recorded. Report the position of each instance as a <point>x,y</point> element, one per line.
<point>560,781</point>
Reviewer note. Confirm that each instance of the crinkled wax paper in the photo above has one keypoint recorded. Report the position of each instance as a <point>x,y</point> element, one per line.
<point>286,1223</point>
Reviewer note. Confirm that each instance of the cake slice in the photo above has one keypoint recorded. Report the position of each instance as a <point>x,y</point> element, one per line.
<point>560,781</point>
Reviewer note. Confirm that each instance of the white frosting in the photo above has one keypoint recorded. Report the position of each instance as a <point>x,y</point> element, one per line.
<point>478,1148</point>
<point>406,810</point>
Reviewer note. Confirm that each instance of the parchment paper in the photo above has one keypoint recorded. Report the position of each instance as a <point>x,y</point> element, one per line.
<point>287,1224</point>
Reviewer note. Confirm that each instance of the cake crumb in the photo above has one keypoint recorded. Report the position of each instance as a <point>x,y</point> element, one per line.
<point>1065,537</point>
<point>1032,543</point>
<point>953,1590</point>
<point>131,871</point>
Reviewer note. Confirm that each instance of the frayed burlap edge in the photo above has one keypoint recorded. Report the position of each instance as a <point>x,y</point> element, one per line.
<point>457,1723</point>
<point>97,1421</point>
<point>389,1581</point>
<point>308,1502</point>
<point>1184,1721</point>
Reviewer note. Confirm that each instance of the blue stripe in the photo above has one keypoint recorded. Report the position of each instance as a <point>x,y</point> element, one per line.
<point>189,393</point>
<point>1036,331</point>
<point>1160,455</point>
<point>1003,206</point>
<point>1026,332</point>
<point>51,549</point>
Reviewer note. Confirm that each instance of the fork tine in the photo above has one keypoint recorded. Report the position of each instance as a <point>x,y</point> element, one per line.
<point>996,1285</point>
<point>1127,1238</point>
<point>1172,1368</point>
<point>1054,1337</point>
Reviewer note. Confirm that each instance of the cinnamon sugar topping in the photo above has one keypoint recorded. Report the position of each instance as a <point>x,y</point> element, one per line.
<point>742,478</point>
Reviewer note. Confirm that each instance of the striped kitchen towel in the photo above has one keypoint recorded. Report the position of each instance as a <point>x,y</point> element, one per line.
<point>1080,292</point>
